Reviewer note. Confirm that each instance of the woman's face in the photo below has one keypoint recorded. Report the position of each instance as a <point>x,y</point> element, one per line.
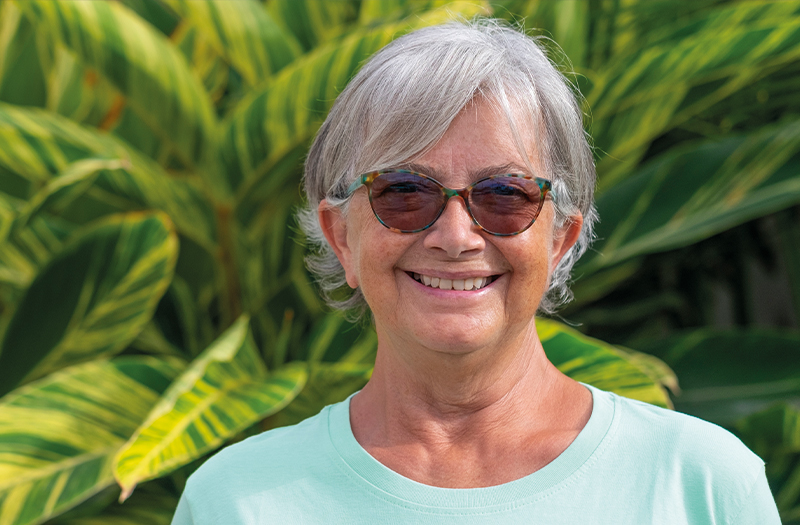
<point>388,266</point>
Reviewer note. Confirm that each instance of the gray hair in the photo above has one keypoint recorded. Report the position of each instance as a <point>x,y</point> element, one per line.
<point>404,99</point>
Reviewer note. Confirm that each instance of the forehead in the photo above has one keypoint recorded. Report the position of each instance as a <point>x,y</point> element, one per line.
<point>481,141</point>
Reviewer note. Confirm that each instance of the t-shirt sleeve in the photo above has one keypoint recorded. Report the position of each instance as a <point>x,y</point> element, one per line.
<point>183,514</point>
<point>759,507</point>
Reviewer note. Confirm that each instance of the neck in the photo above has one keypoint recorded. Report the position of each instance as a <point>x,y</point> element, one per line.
<point>434,397</point>
<point>473,419</point>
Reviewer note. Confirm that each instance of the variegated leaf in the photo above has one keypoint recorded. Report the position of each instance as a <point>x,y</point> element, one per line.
<point>36,146</point>
<point>244,33</point>
<point>225,390</point>
<point>151,74</point>
<point>151,505</point>
<point>59,435</point>
<point>24,250</point>
<point>205,61</point>
<point>374,12</point>
<point>697,191</point>
<point>22,78</point>
<point>328,383</point>
<point>313,22</point>
<point>107,282</point>
<point>263,140</point>
<point>642,93</point>
<point>601,365</point>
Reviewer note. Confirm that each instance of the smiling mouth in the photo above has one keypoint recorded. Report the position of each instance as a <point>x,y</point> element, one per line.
<point>473,283</point>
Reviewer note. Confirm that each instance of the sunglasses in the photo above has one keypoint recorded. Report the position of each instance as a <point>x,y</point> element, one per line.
<point>409,202</point>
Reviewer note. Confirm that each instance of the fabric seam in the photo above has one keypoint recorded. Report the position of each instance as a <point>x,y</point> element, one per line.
<point>572,478</point>
<point>747,496</point>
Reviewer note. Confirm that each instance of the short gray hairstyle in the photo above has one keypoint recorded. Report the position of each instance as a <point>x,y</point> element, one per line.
<point>404,99</point>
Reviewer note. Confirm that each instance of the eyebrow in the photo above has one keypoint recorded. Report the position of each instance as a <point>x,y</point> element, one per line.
<point>478,174</point>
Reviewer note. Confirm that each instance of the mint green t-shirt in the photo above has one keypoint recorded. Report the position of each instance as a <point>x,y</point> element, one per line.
<point>632,464</point>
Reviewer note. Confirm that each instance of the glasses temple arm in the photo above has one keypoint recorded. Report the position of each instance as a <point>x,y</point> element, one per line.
<point>356,184</point>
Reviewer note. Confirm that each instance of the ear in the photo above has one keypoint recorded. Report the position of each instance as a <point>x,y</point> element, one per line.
<point>565,238</point>
<point>334,227</point>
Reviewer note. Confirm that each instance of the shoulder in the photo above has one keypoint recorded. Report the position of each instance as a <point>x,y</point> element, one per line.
<point>683,436</point>
<point>701,463</point>
<point>676,466</point>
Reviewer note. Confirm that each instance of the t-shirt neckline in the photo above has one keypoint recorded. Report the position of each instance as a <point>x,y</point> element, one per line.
<point>375,477</point>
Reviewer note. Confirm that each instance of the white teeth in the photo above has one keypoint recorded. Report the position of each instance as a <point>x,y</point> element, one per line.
<point>473,283</point>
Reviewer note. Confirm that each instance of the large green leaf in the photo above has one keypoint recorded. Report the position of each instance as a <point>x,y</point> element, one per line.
<point>206,62</point>
<point>328,383</point>
<point>76,91</point>
<point>567,21</point>
<point>36,146</point>
<point>22,80</point>
<point>774,434</point>
<point>225,390</point>
<point>151,505</point>
<point>24,250</point>
<point>642,93</point>
<point>313,22</point>
<point>92,299</point>
<point>72,183</point>
<point>376,12</point>
<point>152,75</point>
<point>726,375</point>
<point>774,429</point>
<point>691,193</point>
<point>602,365</point>
<point>244,33</point>
<point>59,435</point>
<point>266,135</point>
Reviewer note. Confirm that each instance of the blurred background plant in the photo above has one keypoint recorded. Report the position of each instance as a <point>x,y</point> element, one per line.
<point>154,305</point>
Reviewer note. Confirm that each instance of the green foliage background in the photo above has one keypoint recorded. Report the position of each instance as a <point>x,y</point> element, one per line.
<point>154,305</point>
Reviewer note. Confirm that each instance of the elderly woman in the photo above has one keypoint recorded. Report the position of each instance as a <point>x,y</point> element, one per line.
<point>451,189</point>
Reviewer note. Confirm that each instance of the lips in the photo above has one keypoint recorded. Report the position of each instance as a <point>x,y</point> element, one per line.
<point>468,284</point>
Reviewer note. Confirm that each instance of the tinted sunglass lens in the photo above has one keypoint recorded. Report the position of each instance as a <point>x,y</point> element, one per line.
<point>405,201</point>
<point>506,205</point>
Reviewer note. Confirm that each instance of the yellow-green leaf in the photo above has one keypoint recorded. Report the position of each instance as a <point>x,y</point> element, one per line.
<point>59,435</point>
<point>696,191</point>
<point>225,390</point>
<point>275,122</point>
<point>328,383</point>
<point>36,146</point>
<point>151,74</point>
<point>602,365</point>
<point>206,62</point>
<point>244,33</point>
<point>644,92</point>
<point>92,299</point>
<point>313,22</point>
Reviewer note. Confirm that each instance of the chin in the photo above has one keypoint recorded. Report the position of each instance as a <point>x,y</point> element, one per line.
<point>455,334</point>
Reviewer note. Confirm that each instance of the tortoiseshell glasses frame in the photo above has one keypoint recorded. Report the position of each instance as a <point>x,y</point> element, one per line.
<point>410,202</point>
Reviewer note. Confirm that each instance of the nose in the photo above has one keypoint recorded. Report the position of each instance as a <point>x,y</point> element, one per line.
<point>454,232</point>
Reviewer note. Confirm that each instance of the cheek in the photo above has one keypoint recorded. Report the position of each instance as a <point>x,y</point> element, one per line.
<point>375,259</point>
<point>532,272</point>
<point>358,228</point>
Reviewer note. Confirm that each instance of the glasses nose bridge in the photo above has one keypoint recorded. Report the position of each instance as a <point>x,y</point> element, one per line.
<point>464,194</point>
